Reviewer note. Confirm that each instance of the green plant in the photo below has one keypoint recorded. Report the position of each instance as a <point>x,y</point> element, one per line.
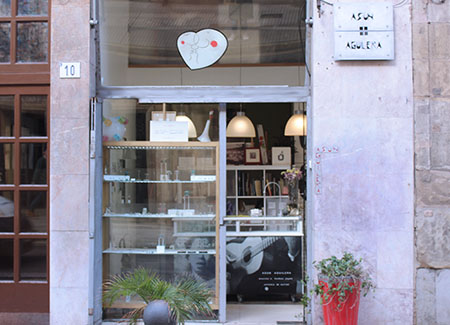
<point>186,298</point>
<point>339,277</point>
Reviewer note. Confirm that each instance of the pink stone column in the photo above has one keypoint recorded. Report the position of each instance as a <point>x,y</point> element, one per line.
<point>69,163</point>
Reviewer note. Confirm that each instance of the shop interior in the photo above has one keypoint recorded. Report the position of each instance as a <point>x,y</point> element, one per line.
<point>161,196</point>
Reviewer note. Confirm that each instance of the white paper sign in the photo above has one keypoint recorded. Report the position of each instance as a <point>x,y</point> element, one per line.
<point>168,131</point>
<point>207,178</point>
<point>70,70</point>
<point>201,49</point>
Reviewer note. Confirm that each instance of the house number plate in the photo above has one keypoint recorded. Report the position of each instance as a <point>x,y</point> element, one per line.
<point>69,70</point>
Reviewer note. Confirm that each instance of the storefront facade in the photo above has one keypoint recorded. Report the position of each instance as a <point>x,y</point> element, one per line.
<point>360,157</point>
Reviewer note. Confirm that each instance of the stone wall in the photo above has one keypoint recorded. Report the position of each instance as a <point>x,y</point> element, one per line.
<point>366,205</point>
<point>431,65</point>
<point>69,169</point>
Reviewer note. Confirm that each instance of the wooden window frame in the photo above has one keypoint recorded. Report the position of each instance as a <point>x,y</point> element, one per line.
<point>26,73</point>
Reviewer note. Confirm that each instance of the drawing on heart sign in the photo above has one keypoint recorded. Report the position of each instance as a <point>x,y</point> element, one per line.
<point>201,49</point>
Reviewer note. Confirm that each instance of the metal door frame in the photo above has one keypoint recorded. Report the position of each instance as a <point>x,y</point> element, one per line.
<point>188,94</point>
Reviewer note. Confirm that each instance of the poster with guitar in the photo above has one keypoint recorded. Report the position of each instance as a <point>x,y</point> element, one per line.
<point>259,266</point>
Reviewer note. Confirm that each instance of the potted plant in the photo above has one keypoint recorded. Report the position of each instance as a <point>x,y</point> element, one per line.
<point>340,284</point>
<point>165,302</point>
<point>292,177</point>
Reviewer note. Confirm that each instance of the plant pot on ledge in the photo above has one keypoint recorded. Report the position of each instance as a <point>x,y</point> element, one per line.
<point>167,303</point>
<point>341,282</point>
<point>335,310</point>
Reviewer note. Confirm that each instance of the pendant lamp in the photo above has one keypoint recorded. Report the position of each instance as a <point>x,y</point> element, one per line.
<point>192,131</point>
<point>296,125</point>
<point>240,126</point>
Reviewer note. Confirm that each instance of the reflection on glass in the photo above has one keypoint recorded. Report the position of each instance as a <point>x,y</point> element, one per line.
<point>6,211</point>
<point>33,115</point>
<point>32,42</point>
<point>5,8</point>
<point>33,259</point>
<point>6,163</point>
<point>5,38</point>
<point>33,211</point>
<point>33,163</point>
<point>32,7</point>
<point>258,31</point>
<point>6,259</point>
<point>6,116</point>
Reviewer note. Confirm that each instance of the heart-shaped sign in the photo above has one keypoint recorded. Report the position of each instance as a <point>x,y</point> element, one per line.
<point>201,49</point>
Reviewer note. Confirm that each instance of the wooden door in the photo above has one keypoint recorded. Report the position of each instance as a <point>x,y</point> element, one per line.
<point>24,199</point>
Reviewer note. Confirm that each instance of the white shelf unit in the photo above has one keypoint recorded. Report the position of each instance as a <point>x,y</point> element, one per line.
<point>267,226</point>
<point>237,193</point>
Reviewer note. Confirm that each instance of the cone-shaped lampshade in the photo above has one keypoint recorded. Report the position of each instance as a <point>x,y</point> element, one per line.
<point>296,125</point>
<point>240,126</point>
<point>192,131</point>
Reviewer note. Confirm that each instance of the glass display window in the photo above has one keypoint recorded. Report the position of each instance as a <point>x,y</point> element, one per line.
<point>265,42</point>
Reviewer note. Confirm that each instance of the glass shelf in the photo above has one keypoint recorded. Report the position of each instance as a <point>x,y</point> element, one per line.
<point>160,215</point>
<point>256,196</point>
<point>147,181</point>
<point>152,251</point>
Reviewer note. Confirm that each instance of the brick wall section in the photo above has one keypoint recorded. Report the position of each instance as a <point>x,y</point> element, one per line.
<point>431,65</point>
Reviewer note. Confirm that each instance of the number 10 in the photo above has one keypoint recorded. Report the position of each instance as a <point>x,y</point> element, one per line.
<point>70,69</point>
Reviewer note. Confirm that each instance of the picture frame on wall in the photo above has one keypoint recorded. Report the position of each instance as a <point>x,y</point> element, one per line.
<point>252,156</point>
<point>235,153</point>
<point>281,156</point>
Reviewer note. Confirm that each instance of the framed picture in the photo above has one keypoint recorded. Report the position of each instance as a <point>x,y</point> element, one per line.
<point>235,153</point>
<point>252,156</point>
<point>281,156</point>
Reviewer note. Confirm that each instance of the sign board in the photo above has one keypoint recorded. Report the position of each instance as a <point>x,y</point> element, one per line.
<point>168,131</point>
<point>363,31</point>
<point>69,70</point>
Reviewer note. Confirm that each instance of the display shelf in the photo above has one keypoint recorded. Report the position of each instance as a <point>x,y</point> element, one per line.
<point>265,226</point>
<point>266,218</point>
<point>257,167</point>
<point>264,233</point>
<point>160,215</point>
<point>256,196</point>
<point>152,251</point>
<point>160,195</point>
<point>248,183</point>
<point>194,234</point>
<point>148,145</point>
<point>147,181</point>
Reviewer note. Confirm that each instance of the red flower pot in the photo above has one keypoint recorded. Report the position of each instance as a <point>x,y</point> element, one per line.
<point>344,312</point>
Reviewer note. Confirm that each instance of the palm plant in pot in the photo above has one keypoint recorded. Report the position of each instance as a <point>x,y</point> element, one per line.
<point>165,302</point>
<point>341,282</point>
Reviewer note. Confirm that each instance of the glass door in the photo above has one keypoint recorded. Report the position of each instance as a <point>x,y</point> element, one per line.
<point>24,215</point>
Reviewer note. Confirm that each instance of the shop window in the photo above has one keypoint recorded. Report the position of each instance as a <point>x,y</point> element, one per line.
<point>261,34</point>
